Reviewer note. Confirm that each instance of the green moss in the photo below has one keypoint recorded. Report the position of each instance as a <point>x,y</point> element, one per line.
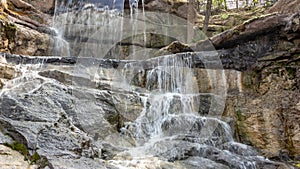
<point>224,16</point>
<point>298,165</point>
<point>10,30</point>
<point>236,32</point>
<point>34,158</point>
<point>21,148</point>
<point>239,115</point>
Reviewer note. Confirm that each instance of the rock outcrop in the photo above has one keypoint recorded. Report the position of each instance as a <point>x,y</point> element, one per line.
<point>57,115</point>
<point>267,118</point>
<point>12,159</point>
<point>286,6</point>
<point>23,40</point>
<point>72,118</point>
<point>266,112</point>
<point>24,28</point>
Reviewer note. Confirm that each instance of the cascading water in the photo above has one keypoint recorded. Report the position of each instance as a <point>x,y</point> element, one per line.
<point>171,125</point>
<point>77,22</point>
<point>173,98</point>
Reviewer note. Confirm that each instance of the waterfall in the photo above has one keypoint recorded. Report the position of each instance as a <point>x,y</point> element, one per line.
<point>78,23</point>
<point>173,123</point>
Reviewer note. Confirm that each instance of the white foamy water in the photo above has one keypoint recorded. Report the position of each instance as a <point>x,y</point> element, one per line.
<point>169,126</point>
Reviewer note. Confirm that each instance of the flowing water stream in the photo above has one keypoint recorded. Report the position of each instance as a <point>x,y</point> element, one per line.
<point>177,121</point>
<point>169,125</point>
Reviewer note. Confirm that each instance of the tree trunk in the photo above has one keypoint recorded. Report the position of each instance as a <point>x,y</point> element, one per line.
<point>225,5</point>
<point>237,4</point>
<point>219,4</point>
<point>207,15</point>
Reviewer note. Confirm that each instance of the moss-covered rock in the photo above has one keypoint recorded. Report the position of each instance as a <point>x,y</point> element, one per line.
<point>21,148</point>
<point>10,31</point>
<point>10,158</point>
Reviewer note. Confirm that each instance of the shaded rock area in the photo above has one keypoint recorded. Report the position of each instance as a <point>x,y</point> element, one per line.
<point>30,20</point>
<point>160,25</point>
<point>266,112</point>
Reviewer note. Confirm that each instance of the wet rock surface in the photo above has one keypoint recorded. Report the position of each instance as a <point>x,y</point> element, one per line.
<point>8,72</point>
<point>73,114</point>
<point>59,119</point>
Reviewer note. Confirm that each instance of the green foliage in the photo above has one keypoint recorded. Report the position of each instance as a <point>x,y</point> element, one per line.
<point>21,148</point>
<point>220,4</point>
<point>224,16</point>
<point>34,158</point>
<point>298,165</point>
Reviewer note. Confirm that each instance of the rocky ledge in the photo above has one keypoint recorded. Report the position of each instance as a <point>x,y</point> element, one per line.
<point>52,116</point>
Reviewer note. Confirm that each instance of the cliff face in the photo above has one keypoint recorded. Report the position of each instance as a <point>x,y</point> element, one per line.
<point>268,110</point>
<point>268,116</point>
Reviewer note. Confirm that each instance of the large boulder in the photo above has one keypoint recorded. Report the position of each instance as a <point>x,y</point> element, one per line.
<point>45,6</point>
<point>178,7</point>
<point>23,40</point>
<point>286,6</point>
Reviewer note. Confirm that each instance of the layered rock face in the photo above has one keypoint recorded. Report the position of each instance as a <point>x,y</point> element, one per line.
<point>24,27</point>
<point>57,114</point>
<point>268,117</point>
<point>266,111</point>
<point>23,40</point>
<point>73,113</point>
